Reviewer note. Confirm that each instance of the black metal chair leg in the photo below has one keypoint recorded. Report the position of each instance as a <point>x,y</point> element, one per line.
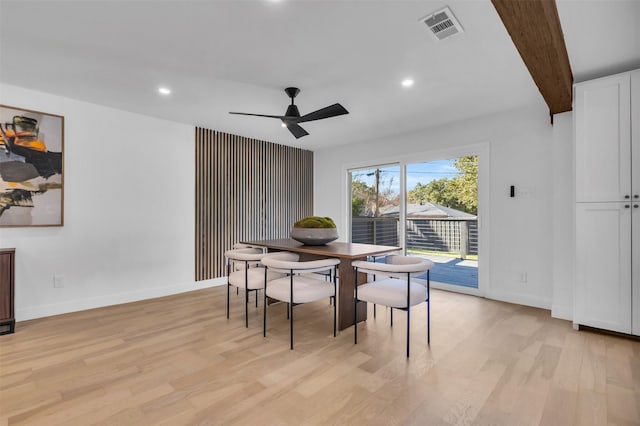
<point>374,305</point>
<point>264,306</point>
<point>408,328</point>
<point>428,309</point>
<point>291,309</point>
<point>246,294</point>
<point>355,312</point>
<point>334,303</point>
<point>246,306</point>
<point>391,316</point>
<point>257,291</point>
<point>408,310</point>
<point>228,273</point>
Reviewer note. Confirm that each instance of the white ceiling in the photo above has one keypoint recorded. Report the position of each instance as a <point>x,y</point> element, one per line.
<point>221,56</point>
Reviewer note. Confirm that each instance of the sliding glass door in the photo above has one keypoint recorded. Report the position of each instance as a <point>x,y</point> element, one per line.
<point>429,208</point>
<point>442,218</point>
<point>375,205</point>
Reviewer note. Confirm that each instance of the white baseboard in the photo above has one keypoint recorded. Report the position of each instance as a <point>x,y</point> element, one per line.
<point>562,312</point>
<point>456,288</point>
<point>33,312</point>
<point>519,299</point>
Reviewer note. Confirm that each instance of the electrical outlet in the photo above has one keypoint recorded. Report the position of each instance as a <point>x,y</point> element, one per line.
<point>58,281</point>
<point>523,277</point>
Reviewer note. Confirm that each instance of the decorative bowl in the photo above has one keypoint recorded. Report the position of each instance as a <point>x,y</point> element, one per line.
<point>314,236</point>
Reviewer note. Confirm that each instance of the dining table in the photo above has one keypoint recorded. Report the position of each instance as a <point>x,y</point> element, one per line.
<point>347,253</point>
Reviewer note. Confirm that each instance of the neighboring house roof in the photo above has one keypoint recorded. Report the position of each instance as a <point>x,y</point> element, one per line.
<point>426,210</point>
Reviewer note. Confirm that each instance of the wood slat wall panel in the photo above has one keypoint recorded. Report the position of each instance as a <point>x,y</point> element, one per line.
<point>246,189</point>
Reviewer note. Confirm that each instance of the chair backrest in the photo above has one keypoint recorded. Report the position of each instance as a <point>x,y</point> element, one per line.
<point>282,255</point>
<point>286,262</point>
<point>242,254</point>
<point>243,245</point>
<point>396,259</point>
<point>395,266</point>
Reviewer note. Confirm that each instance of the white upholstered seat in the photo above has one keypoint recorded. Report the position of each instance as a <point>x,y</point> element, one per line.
<point>393,287</point>
<point>245,271</point>
<point>255,278</point>
<point>392,292</point>
<point>306,289</point>
<point>301,285</point>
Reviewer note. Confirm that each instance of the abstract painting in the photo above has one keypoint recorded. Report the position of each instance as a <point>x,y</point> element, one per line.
<point>31,172</point>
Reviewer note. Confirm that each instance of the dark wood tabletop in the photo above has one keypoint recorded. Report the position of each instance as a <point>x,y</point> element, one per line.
<point>340,250</point>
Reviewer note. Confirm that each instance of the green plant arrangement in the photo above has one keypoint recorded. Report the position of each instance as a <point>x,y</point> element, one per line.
<point>314,230</point>
<point>315,222</point>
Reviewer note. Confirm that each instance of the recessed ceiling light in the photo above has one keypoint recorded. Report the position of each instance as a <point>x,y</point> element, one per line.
<point>407,82</point>
<point>164,90</point>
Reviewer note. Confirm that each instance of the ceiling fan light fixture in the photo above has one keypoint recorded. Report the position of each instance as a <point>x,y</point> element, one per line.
<point>407,82</point>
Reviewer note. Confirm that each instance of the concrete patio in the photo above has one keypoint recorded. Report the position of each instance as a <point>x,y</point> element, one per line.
<point>451,270</point>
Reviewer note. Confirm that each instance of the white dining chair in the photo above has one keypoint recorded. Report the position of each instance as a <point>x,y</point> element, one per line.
<point>300,285</point>
<point>393,287</point>
<point>245,271</point>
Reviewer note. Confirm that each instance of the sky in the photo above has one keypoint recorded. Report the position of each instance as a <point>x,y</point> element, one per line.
<point>416,173</point>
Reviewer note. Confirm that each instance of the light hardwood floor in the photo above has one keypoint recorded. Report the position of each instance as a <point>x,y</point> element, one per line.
<point>178,360</point>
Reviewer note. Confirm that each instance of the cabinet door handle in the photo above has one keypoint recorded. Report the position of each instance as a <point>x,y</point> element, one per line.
<point>626,197</point>
<point>636,196</point>
<point>635,206</point>
<point>626,206</point>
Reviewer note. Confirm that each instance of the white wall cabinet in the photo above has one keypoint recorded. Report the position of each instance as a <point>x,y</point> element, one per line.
<point>607,148</point>
<point>603,134</point>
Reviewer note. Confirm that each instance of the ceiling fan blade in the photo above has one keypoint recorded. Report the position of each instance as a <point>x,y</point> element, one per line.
<point>258,115</point>
<point>296,130</point>
<point>326,112</point>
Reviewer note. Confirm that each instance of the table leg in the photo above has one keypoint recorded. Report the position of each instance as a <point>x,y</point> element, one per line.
<point>346,286</point>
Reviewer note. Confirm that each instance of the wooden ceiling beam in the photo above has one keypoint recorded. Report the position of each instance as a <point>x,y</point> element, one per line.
<point>534,27</point>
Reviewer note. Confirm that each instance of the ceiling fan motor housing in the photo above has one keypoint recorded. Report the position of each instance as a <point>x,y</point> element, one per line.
<point>292,111</point>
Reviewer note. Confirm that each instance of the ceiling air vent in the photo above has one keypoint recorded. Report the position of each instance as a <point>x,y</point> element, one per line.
<point>442,24</point>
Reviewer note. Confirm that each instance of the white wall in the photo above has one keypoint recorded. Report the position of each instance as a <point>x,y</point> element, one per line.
<point>563,216</point>
<point>520,229</point>
<point>128,229</point>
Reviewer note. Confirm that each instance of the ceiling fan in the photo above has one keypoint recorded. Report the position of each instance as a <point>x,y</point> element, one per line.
<point>292,117</point>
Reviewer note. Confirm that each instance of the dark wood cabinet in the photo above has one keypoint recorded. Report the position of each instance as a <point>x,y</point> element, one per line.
<point>7,291</point>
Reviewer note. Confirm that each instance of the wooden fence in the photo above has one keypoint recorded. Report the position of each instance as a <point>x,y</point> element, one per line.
<point>445,235</point>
